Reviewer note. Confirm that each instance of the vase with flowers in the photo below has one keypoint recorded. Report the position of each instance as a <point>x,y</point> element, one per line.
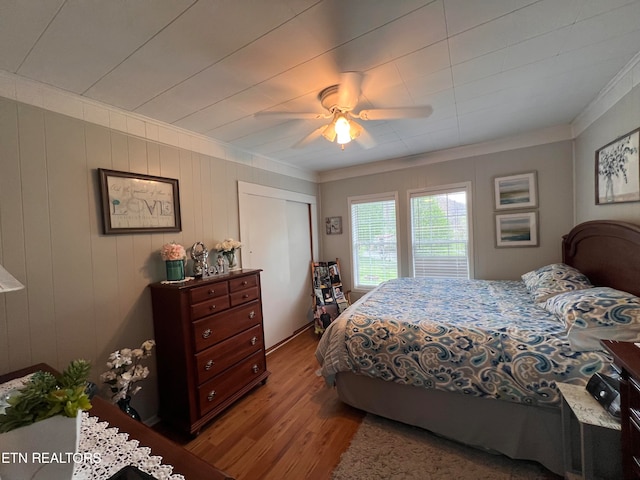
<point>126,369</point>
<point>174,256</point>
<point>228,248</point>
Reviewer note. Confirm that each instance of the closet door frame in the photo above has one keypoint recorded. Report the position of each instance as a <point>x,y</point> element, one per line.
<point>246,193</point>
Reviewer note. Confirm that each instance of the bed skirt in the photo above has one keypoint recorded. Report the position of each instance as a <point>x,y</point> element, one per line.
<point>513,429</point>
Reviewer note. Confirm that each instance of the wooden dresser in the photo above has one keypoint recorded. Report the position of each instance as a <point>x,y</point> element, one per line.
<point>626,357</point>
<point>210,345</point>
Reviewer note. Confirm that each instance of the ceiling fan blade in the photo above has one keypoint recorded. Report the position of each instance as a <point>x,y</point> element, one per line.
<point>292,115</point>
<point>364,138</point>
<point>349,90</point>
<point>394,113</point>
<point>317,133</point>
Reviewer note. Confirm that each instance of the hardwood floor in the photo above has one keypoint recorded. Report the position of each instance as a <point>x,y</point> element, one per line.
<point>293,427</point>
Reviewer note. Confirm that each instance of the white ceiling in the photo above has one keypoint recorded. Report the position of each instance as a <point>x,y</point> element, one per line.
<point>489,68</point>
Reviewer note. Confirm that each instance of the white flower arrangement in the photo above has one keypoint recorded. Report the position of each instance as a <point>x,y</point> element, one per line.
<point>125,369</point>
<point>228,245</point>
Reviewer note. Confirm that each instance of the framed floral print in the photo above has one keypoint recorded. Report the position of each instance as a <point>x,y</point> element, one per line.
<point>617,171</point>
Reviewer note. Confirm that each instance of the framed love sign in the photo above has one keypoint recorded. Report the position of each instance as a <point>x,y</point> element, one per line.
<point>137,203</point>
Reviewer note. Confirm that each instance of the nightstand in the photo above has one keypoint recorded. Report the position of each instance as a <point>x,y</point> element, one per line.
<point>590,436</point>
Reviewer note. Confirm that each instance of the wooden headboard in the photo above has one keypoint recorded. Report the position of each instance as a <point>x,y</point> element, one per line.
<point>607,252</point>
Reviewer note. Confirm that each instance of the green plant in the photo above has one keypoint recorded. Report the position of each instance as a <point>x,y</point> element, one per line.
<point>46,395</point>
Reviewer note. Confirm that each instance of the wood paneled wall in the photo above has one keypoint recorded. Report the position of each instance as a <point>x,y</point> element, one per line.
<point>86,292</point>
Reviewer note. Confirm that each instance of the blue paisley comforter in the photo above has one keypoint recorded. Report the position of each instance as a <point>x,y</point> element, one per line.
<point>477,337</point>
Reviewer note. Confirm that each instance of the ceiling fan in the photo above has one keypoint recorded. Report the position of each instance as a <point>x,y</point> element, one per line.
<point>340,102</point>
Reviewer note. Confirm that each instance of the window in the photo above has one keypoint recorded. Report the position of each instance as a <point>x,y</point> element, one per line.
<point>440,232</point>
<point>374,239</point>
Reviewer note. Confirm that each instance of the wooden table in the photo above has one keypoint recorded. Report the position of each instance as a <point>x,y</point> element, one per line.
<point>182,460</point>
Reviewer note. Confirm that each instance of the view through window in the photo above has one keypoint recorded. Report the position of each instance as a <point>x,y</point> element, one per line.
<point>440,234</point>
<point>374,240</point>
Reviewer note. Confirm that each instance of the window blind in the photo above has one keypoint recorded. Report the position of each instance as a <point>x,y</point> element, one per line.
<point>374,241</point>
<point>439,234</point>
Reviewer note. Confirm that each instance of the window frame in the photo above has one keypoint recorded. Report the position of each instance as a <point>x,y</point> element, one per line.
<point>435,190</point>
<point>370,198</point>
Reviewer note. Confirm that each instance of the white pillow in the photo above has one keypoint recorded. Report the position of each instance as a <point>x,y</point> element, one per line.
<point>596,314</point>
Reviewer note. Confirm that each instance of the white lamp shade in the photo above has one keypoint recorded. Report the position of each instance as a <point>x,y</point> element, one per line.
<point>8,282</point>
<point>342,130</point>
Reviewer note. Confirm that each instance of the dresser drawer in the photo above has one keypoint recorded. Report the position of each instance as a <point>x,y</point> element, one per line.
<point>207,292</point>
<point>209,307</point>
<point>244,296</point>
<point>215,328</point>
<point>634,394</point>
<point>218,358</point>
<point>238,284</point>
<point>221,387</point>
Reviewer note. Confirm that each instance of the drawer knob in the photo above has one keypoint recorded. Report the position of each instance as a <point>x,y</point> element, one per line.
<point>245,283</point>
<point>246,295</point>
<point>207,333</point>
<point>252,314</point>
<point>255,369</point>
<point>211,291</point>
<point>212,307</point>
<point>211,395</point>
<point>208,365</point>
<point>254,340</point>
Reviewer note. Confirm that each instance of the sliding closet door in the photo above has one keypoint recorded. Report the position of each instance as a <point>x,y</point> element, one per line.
<point>299,294</point>
<point>275,227</point>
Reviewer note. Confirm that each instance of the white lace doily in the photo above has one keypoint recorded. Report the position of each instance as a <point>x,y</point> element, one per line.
<point>115,451</point>
<point>186,279</point>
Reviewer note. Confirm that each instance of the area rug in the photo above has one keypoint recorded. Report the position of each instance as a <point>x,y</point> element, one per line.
<point>387,450</point>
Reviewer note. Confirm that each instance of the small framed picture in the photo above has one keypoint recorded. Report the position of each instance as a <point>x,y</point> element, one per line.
<point>617,171</point>
<point>333,225</point>
<point>516,191</point>
<point>517,229</point>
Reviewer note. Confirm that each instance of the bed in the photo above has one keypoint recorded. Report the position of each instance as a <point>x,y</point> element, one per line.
<point>478,361</point>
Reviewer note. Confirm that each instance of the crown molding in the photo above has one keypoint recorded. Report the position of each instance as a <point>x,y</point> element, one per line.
<point>539,137</point>
<point>30,92</point>
<point>620,85</point>
<point>51,98</point>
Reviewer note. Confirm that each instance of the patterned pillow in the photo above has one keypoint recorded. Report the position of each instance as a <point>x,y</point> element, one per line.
<point>545,282</point>
<point>596,314</point>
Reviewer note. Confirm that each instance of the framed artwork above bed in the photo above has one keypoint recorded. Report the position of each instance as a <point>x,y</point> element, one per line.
<point>517,229</point>
<point>516,191</point>
<point>618,170</point>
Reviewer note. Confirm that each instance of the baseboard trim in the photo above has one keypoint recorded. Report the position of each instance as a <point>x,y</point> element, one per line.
<point>288,339</point>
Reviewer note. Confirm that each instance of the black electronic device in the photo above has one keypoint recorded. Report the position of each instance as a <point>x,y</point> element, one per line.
<point>131,473</point>
<point>606,390</point>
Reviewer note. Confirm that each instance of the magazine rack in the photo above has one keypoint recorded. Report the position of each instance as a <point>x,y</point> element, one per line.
<point>329,297</point>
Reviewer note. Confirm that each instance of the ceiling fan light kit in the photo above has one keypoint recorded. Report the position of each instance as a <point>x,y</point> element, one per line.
<point>340,100</point>
<point>343,129</point>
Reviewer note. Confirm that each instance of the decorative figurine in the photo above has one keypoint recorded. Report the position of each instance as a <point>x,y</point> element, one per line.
<point>199,254</point>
